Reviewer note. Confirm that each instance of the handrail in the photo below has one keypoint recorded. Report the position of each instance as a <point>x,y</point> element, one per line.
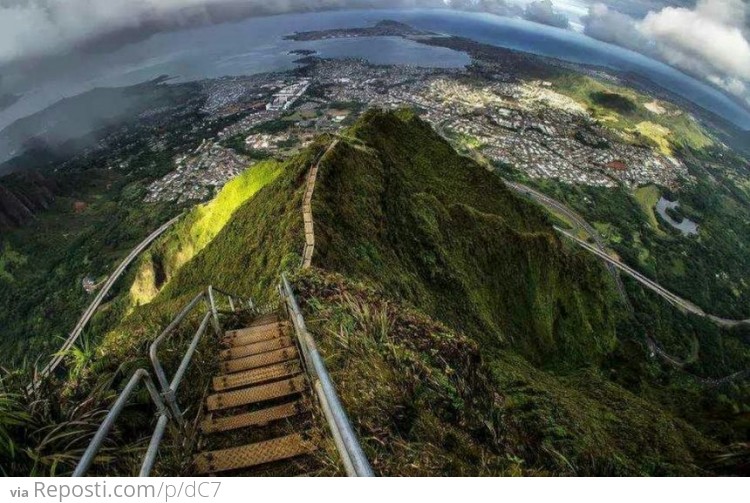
<point>103,291</point>
<point>347,443</point>
<point>165,400</point>
<point>88,456</point>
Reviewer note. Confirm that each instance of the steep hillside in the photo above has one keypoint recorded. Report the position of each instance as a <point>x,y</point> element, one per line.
<point>428,400</point>
<point>239,242</point>
<point>22,196</point>
<point>463,337</point>
<point>398,206</point>
<point>198,229</point>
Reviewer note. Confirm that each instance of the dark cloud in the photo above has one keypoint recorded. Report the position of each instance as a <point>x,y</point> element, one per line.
<point>609,25</point>
<point>708,38</point>
<point>38,28</point>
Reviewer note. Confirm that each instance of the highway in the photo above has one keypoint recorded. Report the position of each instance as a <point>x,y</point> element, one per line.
<point>673,299</point>
<point>578,221</point>
<point>91,309</point>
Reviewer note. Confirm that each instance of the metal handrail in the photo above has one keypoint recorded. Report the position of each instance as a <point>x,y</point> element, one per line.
<point>353,457</point>
<point>103,291</point>
<point>165,400</point>
<point>88,456</point>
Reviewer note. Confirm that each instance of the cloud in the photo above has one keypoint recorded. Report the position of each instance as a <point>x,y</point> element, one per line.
<point>542,11</point>
<point>31,29</point>
<point>612,26</point>
<point>709,40</point>
<point>38,28</point>
<point>498,7</point>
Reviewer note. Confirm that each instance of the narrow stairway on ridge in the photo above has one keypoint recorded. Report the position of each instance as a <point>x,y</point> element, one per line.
<point>260,413</point>
<point>259,420</point>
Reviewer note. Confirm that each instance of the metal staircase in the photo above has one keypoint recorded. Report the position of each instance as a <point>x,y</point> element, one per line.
<point>259,413</point>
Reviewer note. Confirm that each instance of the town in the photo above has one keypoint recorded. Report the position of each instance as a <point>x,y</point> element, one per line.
<point>522,124</point>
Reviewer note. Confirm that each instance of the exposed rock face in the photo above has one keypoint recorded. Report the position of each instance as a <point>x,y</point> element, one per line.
<point>22,196</point>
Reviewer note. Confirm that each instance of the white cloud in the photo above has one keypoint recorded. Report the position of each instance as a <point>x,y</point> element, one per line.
<point>708,40</point>
<point>543,11</point>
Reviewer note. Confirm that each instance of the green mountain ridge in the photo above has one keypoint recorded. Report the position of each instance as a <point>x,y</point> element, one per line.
<point>444,233</point>
<point>463,336</point>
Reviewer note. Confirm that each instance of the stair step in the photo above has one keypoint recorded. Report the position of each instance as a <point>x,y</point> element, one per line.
<point>246,396</point>
<point>265,319</point>
<point>256,418</point>
<point>253,329</point>
<point>253,454</point>
<point>259,375</point>
<point>252,335</point>
<point>255,348</point>
<point>256,361</point>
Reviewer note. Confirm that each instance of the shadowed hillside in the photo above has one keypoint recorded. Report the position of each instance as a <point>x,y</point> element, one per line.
<point>400,207</point>
<point>463,337</point>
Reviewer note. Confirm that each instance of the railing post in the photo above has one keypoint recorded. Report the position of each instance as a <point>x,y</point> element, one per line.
<point>214,312</point>
<point>165,401</point>
<point>161,376</point>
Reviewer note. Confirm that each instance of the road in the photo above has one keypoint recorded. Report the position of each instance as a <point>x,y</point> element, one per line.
<point>89,312</point>
<point>673,299</point>
<point>600,250</point>
<point>578,221</point>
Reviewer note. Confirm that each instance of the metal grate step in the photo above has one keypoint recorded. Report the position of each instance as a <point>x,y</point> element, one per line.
<point>257,361</point>
<point>252,335</point>
<point>254,329</point>
<point>255,394</point>
<point>265,319</point>
<point>256,418</point>
<point>253,454</point>
<point>259,375</point>
<point>255,348</point>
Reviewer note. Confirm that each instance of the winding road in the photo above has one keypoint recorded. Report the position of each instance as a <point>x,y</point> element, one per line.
<point>673,299</point>
<point>578,221</point>
<point>600,250</point>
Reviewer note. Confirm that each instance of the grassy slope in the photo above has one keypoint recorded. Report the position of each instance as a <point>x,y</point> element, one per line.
<point>445,234</point>
<point>428,400</point>
<point>198,229</point>
<point>673,127</point>
<point>429,396</point>
<point>262,237</point>
<point>647,197</point>
<point>422,235</point>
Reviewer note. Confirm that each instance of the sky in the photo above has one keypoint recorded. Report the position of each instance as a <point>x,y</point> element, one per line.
<point>709,39</point>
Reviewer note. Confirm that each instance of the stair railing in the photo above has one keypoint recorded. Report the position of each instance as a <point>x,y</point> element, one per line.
<point>166,399</point>
<point>352,456</point>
